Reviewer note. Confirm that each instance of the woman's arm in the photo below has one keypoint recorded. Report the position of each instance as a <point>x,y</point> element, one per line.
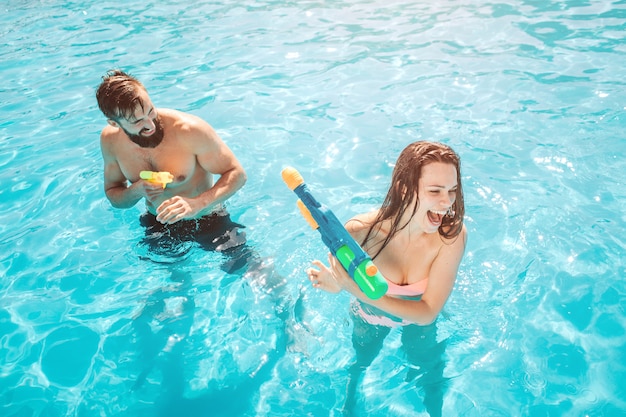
<point>442,277</point>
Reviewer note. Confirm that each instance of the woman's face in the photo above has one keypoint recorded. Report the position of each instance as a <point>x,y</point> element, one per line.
<point>437,193</point>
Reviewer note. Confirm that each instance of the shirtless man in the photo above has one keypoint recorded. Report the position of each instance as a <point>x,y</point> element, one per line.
<point>141,137</point>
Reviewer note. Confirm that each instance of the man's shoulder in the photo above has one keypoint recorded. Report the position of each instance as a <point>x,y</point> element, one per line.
<point>109,141</point>
<point>180,117</point>
<point>190,128</point>
<point>183,122</point>
<point>109,134</point>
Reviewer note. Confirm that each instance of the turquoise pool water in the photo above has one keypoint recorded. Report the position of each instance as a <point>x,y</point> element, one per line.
<point>529,93</point>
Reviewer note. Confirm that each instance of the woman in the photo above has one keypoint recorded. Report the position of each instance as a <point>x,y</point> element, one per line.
<point>417,240</point>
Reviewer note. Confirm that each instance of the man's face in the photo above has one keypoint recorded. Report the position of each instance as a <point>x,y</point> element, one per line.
<point>144,127</point>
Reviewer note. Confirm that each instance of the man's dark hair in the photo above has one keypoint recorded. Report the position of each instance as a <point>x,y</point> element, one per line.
<point>118,95</point>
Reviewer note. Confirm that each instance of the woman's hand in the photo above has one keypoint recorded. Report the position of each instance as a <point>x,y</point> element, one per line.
<point>322,277</point>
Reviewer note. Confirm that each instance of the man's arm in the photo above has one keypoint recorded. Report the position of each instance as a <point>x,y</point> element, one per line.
<point>115,183</point>
<point>215,157</point>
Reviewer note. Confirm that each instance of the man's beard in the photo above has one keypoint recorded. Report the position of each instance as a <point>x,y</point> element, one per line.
<point>151,141</point>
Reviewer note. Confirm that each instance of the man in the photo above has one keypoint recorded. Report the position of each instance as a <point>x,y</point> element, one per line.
<point>140,137</point>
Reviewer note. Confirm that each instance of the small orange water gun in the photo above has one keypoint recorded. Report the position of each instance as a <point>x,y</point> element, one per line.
<point>162,177</point>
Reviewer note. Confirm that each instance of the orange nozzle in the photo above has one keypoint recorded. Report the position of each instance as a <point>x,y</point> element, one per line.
<point>371,270</point>
<point>292,178</point>
<point>307,215</point>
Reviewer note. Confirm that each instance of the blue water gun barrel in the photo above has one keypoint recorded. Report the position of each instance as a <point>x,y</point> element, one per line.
<point>342,245</point>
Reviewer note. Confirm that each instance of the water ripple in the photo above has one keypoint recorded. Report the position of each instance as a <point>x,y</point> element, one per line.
<point>529,93</point>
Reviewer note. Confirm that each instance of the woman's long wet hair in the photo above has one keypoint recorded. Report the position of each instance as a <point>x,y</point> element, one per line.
<point>405,177</point>
<point>118,95</point>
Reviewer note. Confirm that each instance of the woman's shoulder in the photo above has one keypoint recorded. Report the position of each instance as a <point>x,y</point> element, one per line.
<point>363,220</point>
<point>359,225</point>
<point>460,239</point>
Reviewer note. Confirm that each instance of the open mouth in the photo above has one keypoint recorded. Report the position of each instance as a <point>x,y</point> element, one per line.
<point>436,216</point>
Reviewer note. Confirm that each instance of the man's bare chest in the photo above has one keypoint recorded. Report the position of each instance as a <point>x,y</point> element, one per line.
<point>177,161</point>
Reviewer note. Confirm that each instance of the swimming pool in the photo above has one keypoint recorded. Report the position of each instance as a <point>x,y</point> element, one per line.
<point>529,93</point>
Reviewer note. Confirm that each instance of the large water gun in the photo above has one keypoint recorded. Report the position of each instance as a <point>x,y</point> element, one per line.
<point>163,177</point>
<point>351,256</point>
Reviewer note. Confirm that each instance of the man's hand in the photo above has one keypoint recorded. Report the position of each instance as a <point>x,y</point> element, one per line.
<point>151,190</point>
<point>175,209</point>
